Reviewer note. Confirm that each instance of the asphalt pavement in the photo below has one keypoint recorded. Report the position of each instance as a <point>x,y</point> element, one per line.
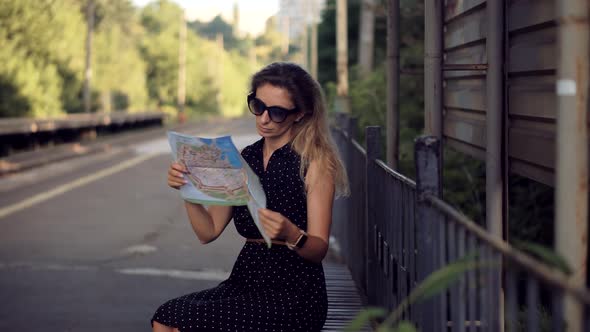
<point>97,243</point>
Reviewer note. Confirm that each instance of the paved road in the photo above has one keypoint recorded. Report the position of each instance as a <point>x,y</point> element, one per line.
<point>99,242</point>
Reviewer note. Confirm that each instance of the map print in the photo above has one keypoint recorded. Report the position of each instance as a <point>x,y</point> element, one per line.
<point>212,173</point>
<point>217,174</point>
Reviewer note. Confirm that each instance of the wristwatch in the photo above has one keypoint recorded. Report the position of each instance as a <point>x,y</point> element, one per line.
<point>299,242</point>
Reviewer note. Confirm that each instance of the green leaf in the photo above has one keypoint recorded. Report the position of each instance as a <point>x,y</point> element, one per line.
<point>405,326</point>
<point>364,317</point>
<point>443,278</point>
<point>546,255</point>
<point>437,282</point>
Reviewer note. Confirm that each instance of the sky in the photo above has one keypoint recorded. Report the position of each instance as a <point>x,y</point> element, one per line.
<point>253,13</point>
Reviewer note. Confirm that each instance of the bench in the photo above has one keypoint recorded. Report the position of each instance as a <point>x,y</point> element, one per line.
<point>344,301</point>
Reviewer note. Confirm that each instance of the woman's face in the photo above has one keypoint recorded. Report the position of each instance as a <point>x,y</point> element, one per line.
<point>274,96</point>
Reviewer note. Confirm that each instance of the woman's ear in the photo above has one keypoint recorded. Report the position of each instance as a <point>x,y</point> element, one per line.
<point>299,117</point>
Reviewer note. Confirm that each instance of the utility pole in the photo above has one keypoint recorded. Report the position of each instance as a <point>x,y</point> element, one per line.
<point>286,37</point>
<point>305,35</point>
<point>88,69</point>
<point>182,69</point>
<point>367,37</point>
<point>342,103</point>
<point>314,39</point>
<point>392,117</point>
<point>571,172</point>
<point>305,45</point>
<point>219,75</point>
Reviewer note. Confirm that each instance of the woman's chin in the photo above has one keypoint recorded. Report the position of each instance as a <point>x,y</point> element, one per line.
<point>264,133</point>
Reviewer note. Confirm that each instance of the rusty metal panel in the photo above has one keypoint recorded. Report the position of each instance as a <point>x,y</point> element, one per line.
<point>464,91</point>
<point>526,13</point>
<point>533,172</point>
<point>531,150</point>
<point>465,94</point>
<point>467,127</point>
<point>466,29</point>
<point>470,150</point>
<point>530,84</point>
<point>533,51</point>
<point>467,55</point>
<point>454,8</point>
<point>533,142</point>
<point>531,96</point>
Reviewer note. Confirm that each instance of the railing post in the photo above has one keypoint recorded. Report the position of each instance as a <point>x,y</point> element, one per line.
<point>429,230</point>
<point>372,138</point>
<point>351,128</point>
<point>340,214</point>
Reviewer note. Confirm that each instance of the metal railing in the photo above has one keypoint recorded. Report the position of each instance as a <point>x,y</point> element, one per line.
<point>394,232</point>
<point>25,134</point>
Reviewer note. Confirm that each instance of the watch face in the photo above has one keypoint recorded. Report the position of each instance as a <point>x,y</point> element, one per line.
<point>301,241</point>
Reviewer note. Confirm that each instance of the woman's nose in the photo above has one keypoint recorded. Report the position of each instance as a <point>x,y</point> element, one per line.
<point>265,117</point>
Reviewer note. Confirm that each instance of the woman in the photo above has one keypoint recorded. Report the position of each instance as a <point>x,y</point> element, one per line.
<point>281,288</point>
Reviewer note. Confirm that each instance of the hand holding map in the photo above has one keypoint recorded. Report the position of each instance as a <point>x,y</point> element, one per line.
<point>217,174</point>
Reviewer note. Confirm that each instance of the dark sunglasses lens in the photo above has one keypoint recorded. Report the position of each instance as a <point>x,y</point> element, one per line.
<point>256,106</point>
<point>277,114</point>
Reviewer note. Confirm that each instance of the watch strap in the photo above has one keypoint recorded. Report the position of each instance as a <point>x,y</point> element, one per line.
<point>299,242</point>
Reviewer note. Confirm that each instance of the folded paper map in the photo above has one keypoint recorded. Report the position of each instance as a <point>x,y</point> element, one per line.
<point>217,174</point>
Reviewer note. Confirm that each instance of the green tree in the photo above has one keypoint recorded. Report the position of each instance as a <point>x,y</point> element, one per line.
<point>161,20</point>
<point>268,46</point>
<point>119,70</point>
<point>41,57</point>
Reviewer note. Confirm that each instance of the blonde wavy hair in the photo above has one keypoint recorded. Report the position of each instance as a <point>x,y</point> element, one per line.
<point>311,139</point>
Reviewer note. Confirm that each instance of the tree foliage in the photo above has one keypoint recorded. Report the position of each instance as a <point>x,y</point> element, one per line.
<point>40,56</point>
<point>135,59</point>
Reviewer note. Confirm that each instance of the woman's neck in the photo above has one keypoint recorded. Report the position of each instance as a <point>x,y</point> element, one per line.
<point>272,144</point>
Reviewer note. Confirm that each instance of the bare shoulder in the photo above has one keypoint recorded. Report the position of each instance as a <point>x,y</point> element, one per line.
<point>319,177</point>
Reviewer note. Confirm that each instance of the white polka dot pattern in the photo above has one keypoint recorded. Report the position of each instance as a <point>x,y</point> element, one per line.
<point>268,289</point>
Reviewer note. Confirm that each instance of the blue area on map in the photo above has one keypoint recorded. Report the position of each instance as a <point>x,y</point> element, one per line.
<point>228,149</point>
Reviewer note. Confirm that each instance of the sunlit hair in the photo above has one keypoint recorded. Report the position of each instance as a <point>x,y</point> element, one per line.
<point>311,138</point>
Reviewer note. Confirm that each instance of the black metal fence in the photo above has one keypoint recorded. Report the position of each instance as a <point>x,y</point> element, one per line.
<point>394,232</point>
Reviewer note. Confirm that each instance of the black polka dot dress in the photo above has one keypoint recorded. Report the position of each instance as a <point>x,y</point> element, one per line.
<point>268,289</point>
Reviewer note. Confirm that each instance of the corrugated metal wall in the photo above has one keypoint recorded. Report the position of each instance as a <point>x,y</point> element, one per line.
<point>530,63</point>
<point>531,67</point>
<point>464,92</point>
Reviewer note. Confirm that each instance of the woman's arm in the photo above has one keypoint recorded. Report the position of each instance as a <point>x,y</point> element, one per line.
<point>320,198</point>
<point>207,223</point>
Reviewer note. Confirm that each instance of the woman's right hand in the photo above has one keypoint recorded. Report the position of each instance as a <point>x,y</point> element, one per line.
<point>175,175</point>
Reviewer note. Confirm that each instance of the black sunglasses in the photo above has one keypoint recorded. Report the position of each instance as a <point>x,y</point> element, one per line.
<point>276,113</point>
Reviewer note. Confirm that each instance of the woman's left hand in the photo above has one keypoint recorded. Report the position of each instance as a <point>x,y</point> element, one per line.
<point>276,225</point>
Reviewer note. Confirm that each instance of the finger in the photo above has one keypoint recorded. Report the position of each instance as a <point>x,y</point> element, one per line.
<point>176,174</point>
<point>176,177</point>
<point>178,167</point>
<point>267,223</point>
<point>173,179</point>
<point>264,220</point>
<point>268,232</point>
<point>267,212</point>
<point>270,215</point>
<point>175,183</point>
